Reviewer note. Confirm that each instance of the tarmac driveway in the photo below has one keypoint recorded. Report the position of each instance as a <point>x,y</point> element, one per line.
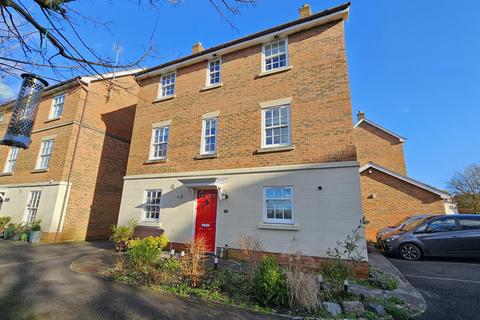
<point>36,282</point>
<point>451,288</point>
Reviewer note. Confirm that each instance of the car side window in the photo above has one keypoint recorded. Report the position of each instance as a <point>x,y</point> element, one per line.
<point>470,224</point>
<point>443,225</point>
<point>422,228</point>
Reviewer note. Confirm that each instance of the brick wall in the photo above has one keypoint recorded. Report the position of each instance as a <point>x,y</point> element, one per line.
<point>393,201</point>
<point>321,113</point>
<point>375,145</point>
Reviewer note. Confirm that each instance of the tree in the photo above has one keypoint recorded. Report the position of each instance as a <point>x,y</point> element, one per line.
<point>465,185</point>
<point>36,34</point>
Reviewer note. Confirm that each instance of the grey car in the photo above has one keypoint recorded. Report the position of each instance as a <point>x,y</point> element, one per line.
<point>455,235</point>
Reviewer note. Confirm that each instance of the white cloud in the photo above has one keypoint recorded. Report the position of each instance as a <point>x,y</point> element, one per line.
<point>5,91</point>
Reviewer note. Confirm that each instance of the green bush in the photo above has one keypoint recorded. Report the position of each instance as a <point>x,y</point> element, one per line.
<point>381,280</point>
<point>171,265</point>
<point>35,226</point>
<point>121,234</point>
<point>145,252</point>
<point>4,222</point>
<point>269,284</point>
<point>335,270</point>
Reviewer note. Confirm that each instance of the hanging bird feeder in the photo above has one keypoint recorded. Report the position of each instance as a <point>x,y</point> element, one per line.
<point>23,115</point>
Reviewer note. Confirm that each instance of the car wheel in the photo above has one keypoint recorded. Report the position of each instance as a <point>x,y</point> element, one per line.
<point>409,251</point>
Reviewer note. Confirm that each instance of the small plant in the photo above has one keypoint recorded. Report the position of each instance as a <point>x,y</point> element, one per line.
<point>143,253</point>
<point>4,222</point>
<point>193,264</point>
<point>252,249</point>
<point>35,226</point>
<point>269,283</point>
<point>121,235</point>
<point>381,280</point>
<point>303,291</point>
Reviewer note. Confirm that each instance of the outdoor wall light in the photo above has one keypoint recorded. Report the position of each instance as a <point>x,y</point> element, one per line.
<point>223,196</point>
<point>320,188</point>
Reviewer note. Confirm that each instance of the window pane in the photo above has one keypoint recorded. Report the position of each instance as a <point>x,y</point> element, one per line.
<point>470,224</point>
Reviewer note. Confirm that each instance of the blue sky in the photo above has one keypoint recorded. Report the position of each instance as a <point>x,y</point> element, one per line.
<point>413,65</point>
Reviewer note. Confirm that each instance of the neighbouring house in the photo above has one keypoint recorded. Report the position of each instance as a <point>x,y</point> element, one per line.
<point>251,137</point>
<point>388,194</point>
<point>71,177</point>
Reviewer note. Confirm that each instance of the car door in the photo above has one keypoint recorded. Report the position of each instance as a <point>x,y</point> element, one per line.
<point>469,235</point>
<point>439,238</point>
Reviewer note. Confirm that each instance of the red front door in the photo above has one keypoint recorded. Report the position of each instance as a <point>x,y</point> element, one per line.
<point>206,220</point>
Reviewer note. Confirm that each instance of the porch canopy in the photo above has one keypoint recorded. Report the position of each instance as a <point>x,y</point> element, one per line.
<point>205,183</point>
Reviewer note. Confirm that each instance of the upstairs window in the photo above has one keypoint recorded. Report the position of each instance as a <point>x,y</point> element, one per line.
<point>152,205</point>
<point>11,160</point>
<point>209,137</point>
<point>45,154</point>
<point>57,107</point>
<point>278,204</point>
<point>213,72</point>
<point>276,126</point>
<point>159,143</point>
<point>275,55</point>
<point>32,206</point>
<point>167,84</point>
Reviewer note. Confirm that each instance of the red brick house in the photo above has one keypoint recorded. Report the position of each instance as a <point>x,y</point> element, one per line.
<point>388,194</point>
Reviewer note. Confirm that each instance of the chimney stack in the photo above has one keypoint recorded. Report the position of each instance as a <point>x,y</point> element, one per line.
<point>305,11</point>
<point>360,115</point>
<point>197,47</point>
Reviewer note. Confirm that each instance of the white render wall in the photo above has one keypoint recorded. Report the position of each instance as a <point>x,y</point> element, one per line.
<point>49,207</point>
<point>322,217</point>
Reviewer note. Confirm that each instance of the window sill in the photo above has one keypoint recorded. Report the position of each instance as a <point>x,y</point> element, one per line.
<point>150,161</point>
<point>53,119</point>
<point>39,170</point>
<point>206,156</point>
<point>275,149</point>
<point>164,98</point>
<point>5,174</point>
<point>213,86</point>
<point>278,226</point>
<point>274,71</point>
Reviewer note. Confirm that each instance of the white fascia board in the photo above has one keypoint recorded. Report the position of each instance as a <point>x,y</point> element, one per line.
<point>442,194</point>
<point>400,138</point>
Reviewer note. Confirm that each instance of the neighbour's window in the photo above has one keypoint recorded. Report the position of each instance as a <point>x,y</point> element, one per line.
<point>11,160</point>
<point>278,205</point>
<point>275,55</point>
<point>45,154</point>
<point>152,205</point>
<point>443,225</point>
<point>32,206</point>
<point>2,199</point>
<point>209,136</point>
<point>159,143</point>
<point>168,85</point>
<point>213,72</point>
<point>57,107</point>
<point>276,124</point>
<point>470,224</point>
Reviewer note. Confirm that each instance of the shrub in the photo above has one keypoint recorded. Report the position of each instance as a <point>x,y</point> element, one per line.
<point>269,283</point>
<point>193,264</point>
<point>4,222</point>
<point>121,234</point>
<point>35,226</point>
<point>252,249</point>
<point>382,280</point>
<point>303,290</point>
<point>143,253</point>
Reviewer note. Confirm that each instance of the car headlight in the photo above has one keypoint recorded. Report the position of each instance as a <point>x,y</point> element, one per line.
<point>392,238</point>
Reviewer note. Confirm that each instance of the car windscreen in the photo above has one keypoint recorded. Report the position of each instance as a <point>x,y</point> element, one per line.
<point>414,223</point>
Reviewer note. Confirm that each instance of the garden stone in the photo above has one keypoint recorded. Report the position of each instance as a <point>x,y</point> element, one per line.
<point>332,308</point>
<point>377,308</point>
<point>353,307</point>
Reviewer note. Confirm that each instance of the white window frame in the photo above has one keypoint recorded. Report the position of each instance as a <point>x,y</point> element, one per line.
<point>208,78</point>
<point>31,208</point>
<point>56,106</point>
<point>264,127</point>
<point>145,218</point>
<point>45,153</point>
<point>205,136</point>
<point>264,57</point>
<point>162,86</point>
<point>11,160</point>
<point>153,143</point>
<point>275,220</point>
